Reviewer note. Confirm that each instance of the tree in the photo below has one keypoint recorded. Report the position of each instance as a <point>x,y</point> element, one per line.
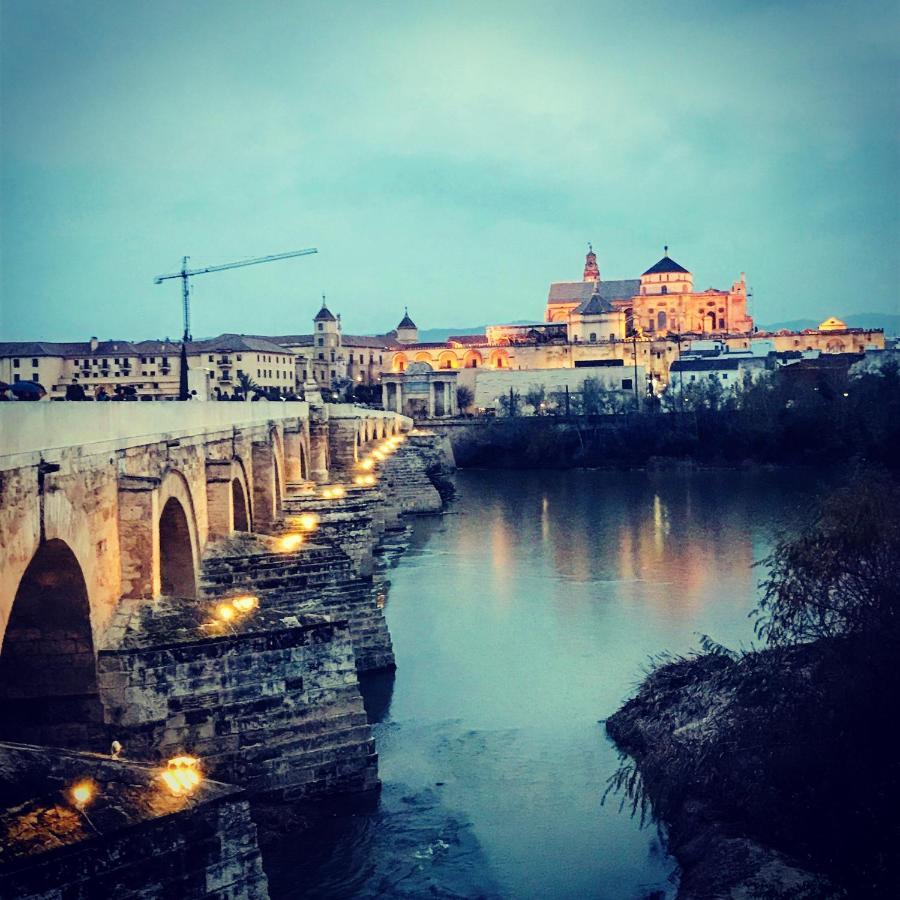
<point>465,396</point>
<point>535,397</point>
<point>511,402</point>
<point>841,575</point>
<point>246,384</point>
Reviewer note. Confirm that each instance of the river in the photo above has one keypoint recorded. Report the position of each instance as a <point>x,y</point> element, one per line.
<point>520,620</point>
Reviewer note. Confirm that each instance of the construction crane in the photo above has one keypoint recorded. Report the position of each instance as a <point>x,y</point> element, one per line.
<point>186,274</point>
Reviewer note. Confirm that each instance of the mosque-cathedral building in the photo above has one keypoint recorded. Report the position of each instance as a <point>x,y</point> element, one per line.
<point>646,322</point>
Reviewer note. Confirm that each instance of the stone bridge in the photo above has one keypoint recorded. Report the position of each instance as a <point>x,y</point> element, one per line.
<point>106,506</point>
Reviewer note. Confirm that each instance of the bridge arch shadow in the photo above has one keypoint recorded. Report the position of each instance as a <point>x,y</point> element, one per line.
<point>240,514</point>
<point>177,575</point>
<point>48,670</point>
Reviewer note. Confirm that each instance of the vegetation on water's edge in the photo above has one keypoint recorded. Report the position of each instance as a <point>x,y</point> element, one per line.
<point>773,421</point>
<point>775,769</point>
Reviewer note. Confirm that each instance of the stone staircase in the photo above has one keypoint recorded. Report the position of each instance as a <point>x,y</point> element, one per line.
<point>317,578</point>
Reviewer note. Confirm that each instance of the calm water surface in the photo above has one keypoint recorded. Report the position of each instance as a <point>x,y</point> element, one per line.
<point>519,621</point>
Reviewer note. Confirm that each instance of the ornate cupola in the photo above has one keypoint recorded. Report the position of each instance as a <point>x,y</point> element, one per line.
<point>591,269</point>
<point>667,277</point>
<point>407,332</point>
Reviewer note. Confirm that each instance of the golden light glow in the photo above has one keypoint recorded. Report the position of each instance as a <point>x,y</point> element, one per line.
<point>290,542</point>
<point>82,793</point>
<point>182,775</point>
<point>225,612</point>
<point>309,521</point>
<point>335,492</point>
<point>364,480</point>
<point>366,463</point>
<point>378,454</point>
<point>246,603</point>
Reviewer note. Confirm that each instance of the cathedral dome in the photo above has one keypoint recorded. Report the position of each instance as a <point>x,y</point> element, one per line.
<point>666,264</point>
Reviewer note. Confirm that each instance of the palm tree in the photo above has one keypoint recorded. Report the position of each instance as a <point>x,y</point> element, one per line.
<point>247,384</point>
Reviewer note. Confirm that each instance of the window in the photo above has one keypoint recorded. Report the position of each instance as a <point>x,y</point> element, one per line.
<point>239,357</point>
<point>16,376</point>
<point>593,337</point>
<point>627,384</point>
<point>361,360</point>
<point>320,342</point>
<point>320,326</point>
<point>661,320</point>
<point>34,362</point>
<point>721,323</point>
<point>693,377</point>
<point>210,358</point>
<point>240,372</point>
<point>16,365</point>
<point>34,377</point>
<point>332,373</point>
<point>724,376</point>
<point>612,337</point>
<point>321,356</point>
<point>664,290</point>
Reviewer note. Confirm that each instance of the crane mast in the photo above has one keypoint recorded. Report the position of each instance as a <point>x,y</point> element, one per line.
<point>186,274</point>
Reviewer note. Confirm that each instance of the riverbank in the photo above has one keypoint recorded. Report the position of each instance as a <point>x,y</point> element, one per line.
<point>771,770</point>
<point>764,424</point>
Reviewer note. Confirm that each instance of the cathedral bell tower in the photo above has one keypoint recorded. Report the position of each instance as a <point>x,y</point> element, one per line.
<point>591,269</point>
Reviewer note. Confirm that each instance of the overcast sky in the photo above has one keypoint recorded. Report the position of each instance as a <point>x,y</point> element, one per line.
<point>452,157</point>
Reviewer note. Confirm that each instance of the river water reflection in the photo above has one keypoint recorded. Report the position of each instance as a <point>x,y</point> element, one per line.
<point>519,621</point>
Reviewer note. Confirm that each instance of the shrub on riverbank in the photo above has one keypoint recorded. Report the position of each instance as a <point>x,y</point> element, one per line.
<point>774,769</point>
<point>768,422</point>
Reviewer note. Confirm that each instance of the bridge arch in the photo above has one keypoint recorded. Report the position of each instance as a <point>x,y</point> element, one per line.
<point>240,513</point>
<point>48,671</point>
<point>177,540</point>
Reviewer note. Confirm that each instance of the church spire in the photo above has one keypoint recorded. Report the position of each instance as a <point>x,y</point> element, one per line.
<point>591,269</point>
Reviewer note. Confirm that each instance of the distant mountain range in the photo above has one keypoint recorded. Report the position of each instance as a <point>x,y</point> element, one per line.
<point>890,324</point>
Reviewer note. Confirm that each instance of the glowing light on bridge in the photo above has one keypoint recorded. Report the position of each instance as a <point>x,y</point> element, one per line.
<point>245,604</point>
<point>335,492</point>
<point>82,793</point>
<point>182,775</point>
<point>290,542</point>
<point>364,480</point>
<point>309,521</point>
<point>225,611</point>
<point>366,463</point>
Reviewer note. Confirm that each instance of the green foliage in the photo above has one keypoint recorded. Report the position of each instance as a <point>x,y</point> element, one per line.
<point>534,397</point>
<point>511,403</point>
<point>465,396</point>
<point>841,574</point>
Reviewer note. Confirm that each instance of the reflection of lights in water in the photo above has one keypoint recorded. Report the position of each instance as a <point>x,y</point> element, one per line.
<point>182,775</point>
<point>379,601</point>
<point>309,521</point>
<point>290,542</point>
<point>82,793</point>
<point>545,517</point>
